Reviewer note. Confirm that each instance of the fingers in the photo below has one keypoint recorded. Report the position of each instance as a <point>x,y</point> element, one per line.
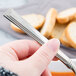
<point>44,55</point>
<point>46,72</point>
<point>22,48</point>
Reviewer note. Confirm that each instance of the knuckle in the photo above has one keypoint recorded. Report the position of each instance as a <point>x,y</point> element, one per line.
<point>45,56</point>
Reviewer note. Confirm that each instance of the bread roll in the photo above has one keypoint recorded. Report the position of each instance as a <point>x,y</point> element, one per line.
<point>35,20</point>
<point>71,34</point>
<point>49,23</point>
<point>16,29</point>
<point>66,15</point>
<point>58,30</point>
<point>64,40</point>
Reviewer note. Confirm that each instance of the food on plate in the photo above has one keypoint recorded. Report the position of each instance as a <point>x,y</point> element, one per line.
<point>66,15</point>
<point>49,23</point>
<point>57,30</point>
<point>35,20</point>
<point>56,25</point>
<point>71,34</point>
<point>64,40</point>
<point>16,29</point>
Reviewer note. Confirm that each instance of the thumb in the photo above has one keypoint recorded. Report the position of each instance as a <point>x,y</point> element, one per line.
<point>44,55</point>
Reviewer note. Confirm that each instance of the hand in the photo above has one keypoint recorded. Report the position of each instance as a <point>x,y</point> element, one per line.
<point>27,58</point>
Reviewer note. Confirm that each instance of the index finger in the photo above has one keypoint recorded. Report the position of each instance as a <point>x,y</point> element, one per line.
<point>22,48</point>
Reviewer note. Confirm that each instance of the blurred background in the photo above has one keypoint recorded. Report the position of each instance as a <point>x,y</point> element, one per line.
<point>5,4</point>
<point>27,6</point>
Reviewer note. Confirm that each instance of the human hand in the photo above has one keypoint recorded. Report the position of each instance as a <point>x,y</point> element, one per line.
<point>27,58</point>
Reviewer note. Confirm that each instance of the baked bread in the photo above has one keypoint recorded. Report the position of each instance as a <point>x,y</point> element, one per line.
<point>49,23</point>
<point>64,40</point>
<point>16,29</point>
<point>35,20</point>
<point>57,30</point>
<point>66,15</point>
<point>71,34</point>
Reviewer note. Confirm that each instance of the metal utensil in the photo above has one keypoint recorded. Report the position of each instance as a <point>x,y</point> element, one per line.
<point>12,16</point>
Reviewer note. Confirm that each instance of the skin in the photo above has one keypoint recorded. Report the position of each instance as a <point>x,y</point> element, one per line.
<point>27,57</point>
